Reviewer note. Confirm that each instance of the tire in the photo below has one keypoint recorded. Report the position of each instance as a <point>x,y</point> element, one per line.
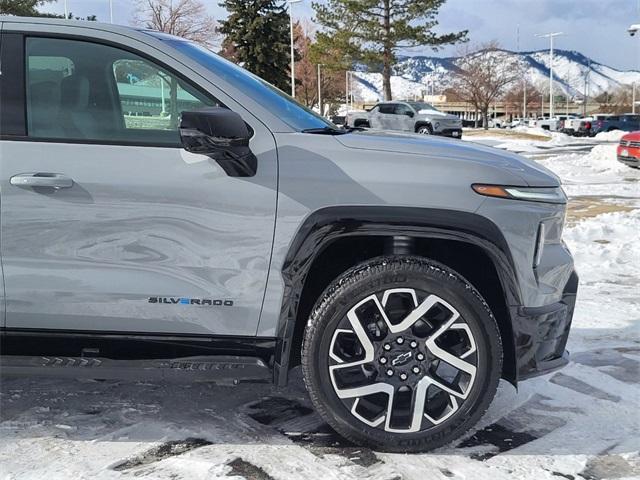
<point>424,130</point>
<point>372,302</point>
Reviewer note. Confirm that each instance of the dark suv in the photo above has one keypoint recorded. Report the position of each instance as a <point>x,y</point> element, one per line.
<point>167,215</point>
<point>627,123</point>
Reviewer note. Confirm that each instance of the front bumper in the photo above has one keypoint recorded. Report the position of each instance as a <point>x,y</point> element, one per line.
<point>449,132</point>
<point>541,334</point>
<point>630,161</point>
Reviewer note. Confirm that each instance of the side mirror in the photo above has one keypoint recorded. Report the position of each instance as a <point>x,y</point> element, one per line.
<point>223,136</point>
<point>409,114</point>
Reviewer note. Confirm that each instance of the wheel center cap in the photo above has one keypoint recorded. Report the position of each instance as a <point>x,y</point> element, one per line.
<point>401,359</point>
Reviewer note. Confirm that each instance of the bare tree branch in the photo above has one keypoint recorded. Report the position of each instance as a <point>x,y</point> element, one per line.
<point>184,18</point>
<point>483,76</point>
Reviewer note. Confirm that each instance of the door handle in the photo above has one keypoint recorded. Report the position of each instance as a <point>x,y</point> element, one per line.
<point>51,180</point>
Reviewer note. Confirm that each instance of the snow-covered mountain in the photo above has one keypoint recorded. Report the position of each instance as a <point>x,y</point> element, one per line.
<point>417,75</point>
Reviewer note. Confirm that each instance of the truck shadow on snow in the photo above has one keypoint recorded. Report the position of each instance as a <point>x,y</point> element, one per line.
<point>542,418</point>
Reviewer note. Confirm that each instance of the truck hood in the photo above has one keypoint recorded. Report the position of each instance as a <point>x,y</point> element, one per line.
<point>531,173</point>
<point>436,115</point>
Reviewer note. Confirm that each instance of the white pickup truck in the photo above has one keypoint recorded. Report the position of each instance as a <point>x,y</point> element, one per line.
<point>571,126</point>
<point>553,124</point>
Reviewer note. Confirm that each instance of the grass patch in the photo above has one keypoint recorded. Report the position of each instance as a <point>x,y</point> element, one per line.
<point>507,134</point>
<point>581,208</point>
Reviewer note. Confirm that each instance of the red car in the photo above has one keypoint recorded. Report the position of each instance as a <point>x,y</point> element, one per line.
<point>629,149</point>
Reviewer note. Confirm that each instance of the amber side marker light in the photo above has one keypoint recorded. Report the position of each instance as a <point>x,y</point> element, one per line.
<point>532,194</point>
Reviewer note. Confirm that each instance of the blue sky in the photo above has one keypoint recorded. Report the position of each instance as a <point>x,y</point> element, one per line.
<point>596,28</point>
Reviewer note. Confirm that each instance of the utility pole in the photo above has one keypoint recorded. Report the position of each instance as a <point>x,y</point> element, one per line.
<point>550,36</point>
<point>524,77</point>
<point>66,10</point>
<point>293,60</point>
<point>320,90</point>
<point>111,10</point>
<point>346,89</point>
<point>586,90</point>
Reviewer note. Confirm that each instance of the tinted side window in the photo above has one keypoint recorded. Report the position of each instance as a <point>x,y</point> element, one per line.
<point>79,90</point>
<point>402,109</point>
<point>386,108</point>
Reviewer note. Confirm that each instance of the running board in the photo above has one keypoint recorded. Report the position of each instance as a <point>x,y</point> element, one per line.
<point>228,370</point>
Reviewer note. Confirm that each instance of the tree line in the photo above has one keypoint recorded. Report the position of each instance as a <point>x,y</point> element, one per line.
<point>344,34</point>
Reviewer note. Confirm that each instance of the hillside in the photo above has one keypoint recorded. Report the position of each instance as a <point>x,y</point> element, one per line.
<point>418,74</point>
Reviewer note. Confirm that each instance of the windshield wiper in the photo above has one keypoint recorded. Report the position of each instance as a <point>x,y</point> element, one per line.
<point>325,131</point>
<point>333,131</point>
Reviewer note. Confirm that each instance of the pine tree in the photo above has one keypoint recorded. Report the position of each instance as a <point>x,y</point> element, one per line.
<point>372,31</point>
<point>257,37</point>
<point>23,8</point>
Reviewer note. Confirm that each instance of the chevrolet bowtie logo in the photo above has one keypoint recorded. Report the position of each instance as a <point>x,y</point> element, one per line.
<point>401,359</point>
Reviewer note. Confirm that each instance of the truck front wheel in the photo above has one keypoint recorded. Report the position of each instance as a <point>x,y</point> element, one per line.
<point>424,130</point>
<point>402,354</point>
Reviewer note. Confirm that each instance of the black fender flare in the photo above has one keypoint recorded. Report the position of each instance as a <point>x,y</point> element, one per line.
<point>326,225</point>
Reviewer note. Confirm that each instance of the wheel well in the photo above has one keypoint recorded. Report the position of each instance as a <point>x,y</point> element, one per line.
<point>422,124</point>
<point>467,259</point>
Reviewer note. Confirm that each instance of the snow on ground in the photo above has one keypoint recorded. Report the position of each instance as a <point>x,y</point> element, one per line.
<point>580,423</point>
<point>613,136</point>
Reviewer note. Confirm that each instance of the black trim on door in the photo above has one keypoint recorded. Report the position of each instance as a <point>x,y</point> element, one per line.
<point>13,115</point>
<point>130,345</point>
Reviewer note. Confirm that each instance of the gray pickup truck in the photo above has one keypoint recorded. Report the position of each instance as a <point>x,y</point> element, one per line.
<point>166,215</point>
<point>417,117</point>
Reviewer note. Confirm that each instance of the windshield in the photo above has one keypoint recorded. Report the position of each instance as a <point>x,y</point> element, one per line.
<point>276,101</point>
<point>417,106</point>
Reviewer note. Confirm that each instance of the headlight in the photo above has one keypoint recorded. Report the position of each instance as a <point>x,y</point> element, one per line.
<point>532,194</point>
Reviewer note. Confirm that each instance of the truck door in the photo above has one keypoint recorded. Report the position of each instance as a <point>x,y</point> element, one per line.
<point>107,223</point>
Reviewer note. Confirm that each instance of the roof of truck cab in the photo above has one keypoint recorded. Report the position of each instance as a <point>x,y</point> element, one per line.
<point>132,31</point>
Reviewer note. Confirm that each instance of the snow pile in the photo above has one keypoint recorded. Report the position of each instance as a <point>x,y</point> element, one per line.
<point>596,173</point>
<point>613,136</point>
<point>606,246</point>
<point>531,130</point>
<point>556,139</point>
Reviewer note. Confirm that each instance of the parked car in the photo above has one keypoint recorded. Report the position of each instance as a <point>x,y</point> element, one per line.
<point>627,122</point>
<point>242,235</point>
<point>537,121</point>
<point>498,122</point>
<point>589,124</point>
<point>571,126</point>
<point>629,149</point>
<point>338,120</point>
<point>415,117</point>
<point>555,123</point>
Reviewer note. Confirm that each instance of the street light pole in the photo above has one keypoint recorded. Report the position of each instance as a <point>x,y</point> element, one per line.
<point>66,10</point>
<point>320,90</point>
<point>293,60</point>
<point>111,10</point>
<point>632,30</point>
<point>550,36</point>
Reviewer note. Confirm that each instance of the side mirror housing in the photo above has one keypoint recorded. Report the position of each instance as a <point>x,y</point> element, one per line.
<point>409,114</point>
<point>223,136</point>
